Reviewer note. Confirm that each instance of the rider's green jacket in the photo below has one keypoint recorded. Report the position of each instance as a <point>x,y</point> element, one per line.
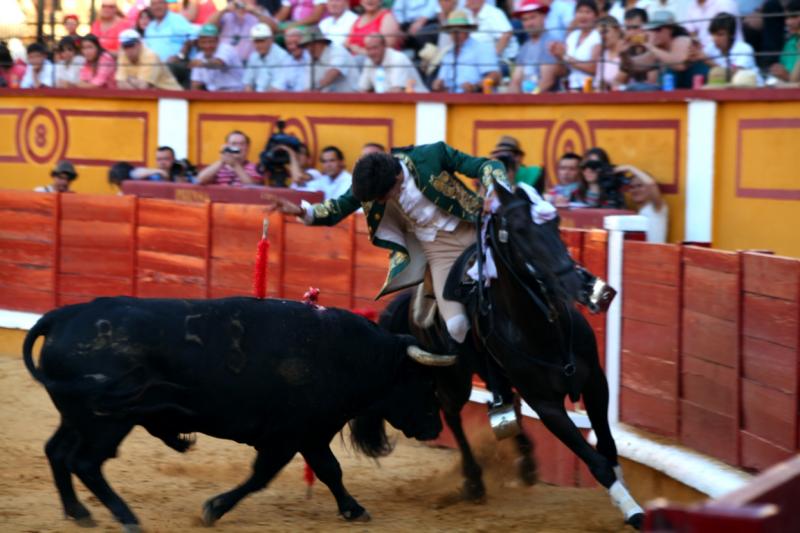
<point>433,168</point>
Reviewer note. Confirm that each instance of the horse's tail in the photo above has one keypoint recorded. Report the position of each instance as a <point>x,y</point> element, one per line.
<point>368,435</point>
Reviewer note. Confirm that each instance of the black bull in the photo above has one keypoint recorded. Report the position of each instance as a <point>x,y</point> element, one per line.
<point>280,376</point>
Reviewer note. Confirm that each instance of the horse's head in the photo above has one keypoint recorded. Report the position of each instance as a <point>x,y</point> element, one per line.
<point>519,242</point>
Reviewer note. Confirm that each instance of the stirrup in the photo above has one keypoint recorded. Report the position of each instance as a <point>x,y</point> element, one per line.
<point>600,296</point>
<point>503,420</point>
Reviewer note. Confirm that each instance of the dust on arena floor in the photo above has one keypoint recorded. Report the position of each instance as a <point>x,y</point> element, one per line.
<point>406,491</point>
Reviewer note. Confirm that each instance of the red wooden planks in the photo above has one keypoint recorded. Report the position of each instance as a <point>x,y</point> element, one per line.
<point>650,336</point>
<point>709,432</point>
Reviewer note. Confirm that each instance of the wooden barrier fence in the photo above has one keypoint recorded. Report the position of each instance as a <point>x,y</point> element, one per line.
<point>710,340</point>
<point>710,350</point>
<point>61,249</point>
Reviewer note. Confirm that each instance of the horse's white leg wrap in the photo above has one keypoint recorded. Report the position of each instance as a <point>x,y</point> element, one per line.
<point>618,473</point>
<point>623,499</point>
<point>457,327</point>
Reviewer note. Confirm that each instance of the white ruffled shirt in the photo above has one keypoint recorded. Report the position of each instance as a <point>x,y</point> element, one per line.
<point>426,218</point>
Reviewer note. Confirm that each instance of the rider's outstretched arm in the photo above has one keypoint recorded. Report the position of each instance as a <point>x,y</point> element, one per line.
<point>481,168</point>
<point>330,212</point>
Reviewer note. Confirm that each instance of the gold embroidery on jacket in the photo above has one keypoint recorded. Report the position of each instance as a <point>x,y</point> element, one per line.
<point>408,163</point>
<point>445,184</point>
<point>321,210</point>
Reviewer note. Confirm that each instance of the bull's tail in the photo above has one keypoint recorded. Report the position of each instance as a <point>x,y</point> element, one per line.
<point>368,435</point>
<point>41,328</point>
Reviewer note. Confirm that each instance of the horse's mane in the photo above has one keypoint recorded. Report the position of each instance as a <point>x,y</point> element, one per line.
<point>545,258</point>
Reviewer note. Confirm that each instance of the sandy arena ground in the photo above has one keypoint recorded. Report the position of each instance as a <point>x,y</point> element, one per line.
<point>166,489</point>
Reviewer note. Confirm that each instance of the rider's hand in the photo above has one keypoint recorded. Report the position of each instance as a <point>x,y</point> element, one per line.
<point>282,205</point>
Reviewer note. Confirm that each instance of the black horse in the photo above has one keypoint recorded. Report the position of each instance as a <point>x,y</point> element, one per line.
<point>526,323</point>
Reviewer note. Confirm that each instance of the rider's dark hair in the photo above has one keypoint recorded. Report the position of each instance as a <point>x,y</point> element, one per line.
<point>374,176</point>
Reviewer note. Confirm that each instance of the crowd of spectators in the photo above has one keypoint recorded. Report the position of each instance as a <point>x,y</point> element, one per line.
<point>590,180</point>
<point>418,45</point>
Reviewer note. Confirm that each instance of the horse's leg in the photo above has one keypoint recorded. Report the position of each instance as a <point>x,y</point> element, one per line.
<point>526,463</point>
<point>555,418</point>
<point>595,399</point>
<point>58,450</point>
<point>267,464</point>
<point>321,459</point>
<point>454,386</point>
<point>474,489</point>
<point>97,444</point>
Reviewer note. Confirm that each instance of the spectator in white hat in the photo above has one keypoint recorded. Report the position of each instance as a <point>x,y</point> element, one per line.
<point>139,67</point>
<point>267,64</point>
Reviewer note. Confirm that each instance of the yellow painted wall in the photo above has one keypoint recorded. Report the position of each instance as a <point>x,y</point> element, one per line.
<point>346,125</point>
<point>649,136</point>
<point>37,132</point>
<point>757,181</point>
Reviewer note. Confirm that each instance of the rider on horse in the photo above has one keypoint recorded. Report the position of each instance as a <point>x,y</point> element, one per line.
<point>418,209</point>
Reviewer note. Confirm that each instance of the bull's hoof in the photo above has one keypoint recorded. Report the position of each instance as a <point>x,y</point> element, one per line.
<point>636,521</point>
<point>131,528</point>
<point>211,512</point>
<point>356,515</point>
<point>526,468</point>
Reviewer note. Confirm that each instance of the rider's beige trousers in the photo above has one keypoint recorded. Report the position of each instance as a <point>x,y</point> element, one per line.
<point>441,253</point>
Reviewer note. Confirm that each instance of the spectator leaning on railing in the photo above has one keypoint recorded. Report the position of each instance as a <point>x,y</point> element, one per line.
<point>387,70</point>
<point>216,67</point>
<point>332,68</point>
<point>39,72</point>
<point>69,63</point>
<point>99,69</point>
<point>536,69</point>
<point>725,50</point>
<point>139,67</point>
<point>668,49</point>
<point>266,66</point>
<point>468,62</point>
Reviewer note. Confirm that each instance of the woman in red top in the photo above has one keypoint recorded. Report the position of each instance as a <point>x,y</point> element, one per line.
<point>374,20</point>
<point>100,67</point>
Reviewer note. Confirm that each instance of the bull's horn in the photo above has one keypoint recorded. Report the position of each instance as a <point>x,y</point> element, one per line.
<point>428,359</point>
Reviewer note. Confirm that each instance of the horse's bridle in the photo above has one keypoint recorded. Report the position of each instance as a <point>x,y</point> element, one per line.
<point>544,303</point>
<point>546,306</point>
